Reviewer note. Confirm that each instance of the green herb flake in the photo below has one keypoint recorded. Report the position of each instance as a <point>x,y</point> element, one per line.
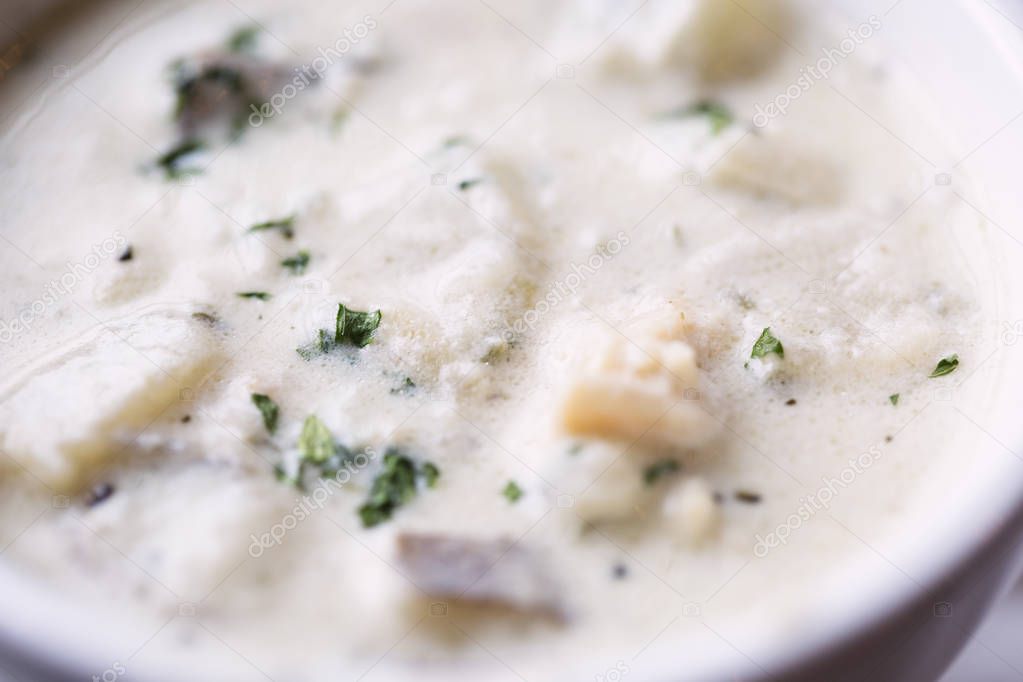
<point>243,39</point>
<point>512,492</point>
<point>297,263</point>
<point>320,346</point>
<point>351,327</point>
<point>946,365</point>
<point>469,183</point>
<point>394,487</point>
<point>315,443</point>
<point>767,344</point>
<point>430,474</point>
<point>172,161</point>
<point>258,295</point>
<point>655,472</point>
<point>268,408</point>
<point>894,398</point>
<point>354,327</point>
<point>285,225</point>
<point>718,115</point>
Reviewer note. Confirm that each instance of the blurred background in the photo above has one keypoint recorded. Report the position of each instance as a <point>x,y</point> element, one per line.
<point>995,654</point>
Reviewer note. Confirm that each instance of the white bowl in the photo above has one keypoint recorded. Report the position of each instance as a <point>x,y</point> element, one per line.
<point>969,57</point>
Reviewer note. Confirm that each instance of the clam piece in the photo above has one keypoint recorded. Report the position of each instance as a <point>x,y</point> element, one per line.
<point>497,572</point>
<point>646,385</point>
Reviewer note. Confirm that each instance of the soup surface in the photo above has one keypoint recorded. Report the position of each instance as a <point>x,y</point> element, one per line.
<point>379,340</point>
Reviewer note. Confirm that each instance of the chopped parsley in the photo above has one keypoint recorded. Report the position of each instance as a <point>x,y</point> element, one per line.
<point>259,295</point>
<point>655,472</point>
<point>285,225</point>
<point>243,39</point>
<point>512,492</point>
<point>894,398</point>
<point>297,263</point>
<point>320,346</point>
<point>718,115</point>
<point>317,450</point>
<point>395,486</point>
<point>173,161</point>
<point>354,327</point>
<point>315,443</point>
<point>430,474</point>
<point>467,184</point>
<point>765,345</point>
<point>351,328</point>
<point>268,408</point>
<point>946,365</point>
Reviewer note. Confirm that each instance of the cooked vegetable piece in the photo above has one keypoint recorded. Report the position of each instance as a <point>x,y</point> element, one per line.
<point>500,572</point>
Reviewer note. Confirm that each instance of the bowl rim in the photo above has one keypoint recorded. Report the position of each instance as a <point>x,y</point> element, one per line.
<point>25,628</point>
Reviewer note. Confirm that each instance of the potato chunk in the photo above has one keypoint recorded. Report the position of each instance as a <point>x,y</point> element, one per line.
<point>644,385</point>
<point>64,415</point>
<point>691,511</point>
<point>716,40</point>
<point>726,39</point>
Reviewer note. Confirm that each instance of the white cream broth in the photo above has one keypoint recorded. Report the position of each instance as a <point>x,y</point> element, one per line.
<point>572,271</point>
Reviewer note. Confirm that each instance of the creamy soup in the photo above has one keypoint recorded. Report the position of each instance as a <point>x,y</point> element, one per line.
<point>523,339</point>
